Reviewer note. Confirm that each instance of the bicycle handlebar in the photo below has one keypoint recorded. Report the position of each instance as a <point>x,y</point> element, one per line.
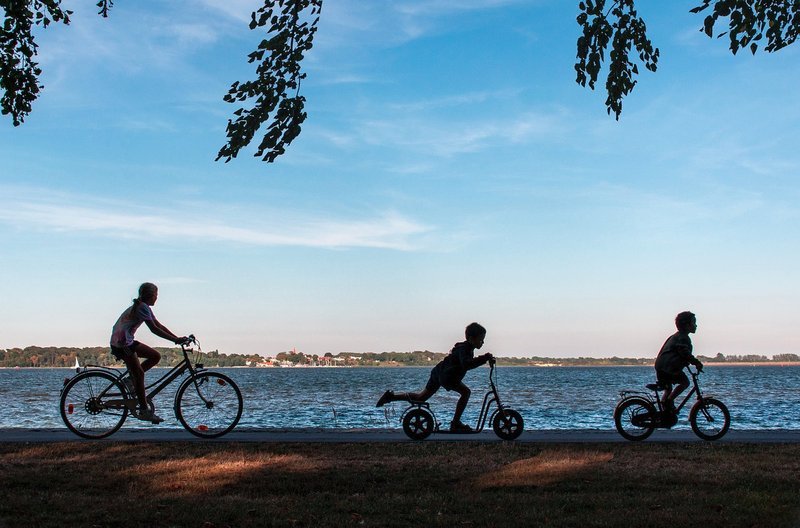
<point>190,340</point>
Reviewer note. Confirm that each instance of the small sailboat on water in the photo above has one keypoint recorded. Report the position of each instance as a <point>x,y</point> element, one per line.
<point>77,364</point>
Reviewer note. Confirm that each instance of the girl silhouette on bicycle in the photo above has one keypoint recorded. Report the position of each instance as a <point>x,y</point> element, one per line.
<point>125,348</point>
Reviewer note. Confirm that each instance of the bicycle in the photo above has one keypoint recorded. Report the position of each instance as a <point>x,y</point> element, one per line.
<point>419,421</point>
<point>95,402</point>
<point>639,413</point>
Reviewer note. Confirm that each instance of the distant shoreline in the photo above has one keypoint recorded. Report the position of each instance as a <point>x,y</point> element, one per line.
<point>549,366</point>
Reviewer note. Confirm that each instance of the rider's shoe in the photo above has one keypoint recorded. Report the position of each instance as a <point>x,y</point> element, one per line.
<point>458,427</point>
<point>386,398</point>
<point>149,416</point>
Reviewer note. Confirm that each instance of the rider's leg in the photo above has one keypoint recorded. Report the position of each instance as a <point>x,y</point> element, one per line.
<point>136,373</point>
<point>137,370</point>
<point>464,394</point>
<point>679,388</point>
<point>681,384</point>
<point>430,389</point>
<point>151,356</point>
<point>420,396</point>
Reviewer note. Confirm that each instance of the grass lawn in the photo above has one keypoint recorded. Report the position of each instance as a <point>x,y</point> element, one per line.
<point>216,485</point>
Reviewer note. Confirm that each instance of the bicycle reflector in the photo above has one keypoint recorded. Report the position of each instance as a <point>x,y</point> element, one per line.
<point>203,428</point>
<point>70,408</point>
<point>221,381</point>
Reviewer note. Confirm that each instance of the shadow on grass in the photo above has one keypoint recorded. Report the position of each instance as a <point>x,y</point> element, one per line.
<point>547,468</point>
<point>420,484</point>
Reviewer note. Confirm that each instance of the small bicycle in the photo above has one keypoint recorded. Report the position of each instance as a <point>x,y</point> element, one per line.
<point>639,413</point>
<point>95,402</point>
<point>419,422</point>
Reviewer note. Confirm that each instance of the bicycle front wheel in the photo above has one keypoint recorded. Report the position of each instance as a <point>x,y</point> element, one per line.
<point>87,408</point>
<point>208,404</point>
<point>634,418</point>
<point>508,424</point>
<point>710,419</point>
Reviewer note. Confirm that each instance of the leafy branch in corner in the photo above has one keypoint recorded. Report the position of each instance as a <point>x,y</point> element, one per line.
<point>19,71</point>
<point>625,29</point>
<point>749,21</point>
<point>276,90</point>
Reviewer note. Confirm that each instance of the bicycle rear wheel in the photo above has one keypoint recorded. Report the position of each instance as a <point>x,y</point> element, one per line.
<point>84,407</point>
<point>634,418</point>
<point>418,423</point>
<point>710,419</point>
<point>208,404</point>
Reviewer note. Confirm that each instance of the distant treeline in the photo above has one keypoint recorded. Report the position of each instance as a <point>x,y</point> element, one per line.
<point>34,356</point>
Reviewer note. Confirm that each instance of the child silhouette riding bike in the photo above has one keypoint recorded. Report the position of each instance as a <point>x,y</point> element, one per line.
<point>674,356</point>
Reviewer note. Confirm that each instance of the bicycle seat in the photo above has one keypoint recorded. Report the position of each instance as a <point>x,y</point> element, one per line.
<point>655,386</point>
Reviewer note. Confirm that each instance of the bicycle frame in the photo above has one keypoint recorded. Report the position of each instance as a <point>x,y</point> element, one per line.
<point>657,401</point>
<point>155,387</point>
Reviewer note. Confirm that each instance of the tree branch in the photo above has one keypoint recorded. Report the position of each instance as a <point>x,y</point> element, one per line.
<point>629,32</point>
<point>749,21</point>
<point>19,72</point>
<point>292,25</point>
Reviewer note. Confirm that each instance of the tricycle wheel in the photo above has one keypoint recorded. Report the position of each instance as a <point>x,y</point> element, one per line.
<point>418,424</point>
<point>508,424</point>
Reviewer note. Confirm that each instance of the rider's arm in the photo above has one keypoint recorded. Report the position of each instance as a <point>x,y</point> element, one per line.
<point>162,331</point>
<point>696,362</point>
<point>469,362</point>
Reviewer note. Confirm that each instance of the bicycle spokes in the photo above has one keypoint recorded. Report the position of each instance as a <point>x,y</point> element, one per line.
<point>209,405</point>
<point>85,409</point>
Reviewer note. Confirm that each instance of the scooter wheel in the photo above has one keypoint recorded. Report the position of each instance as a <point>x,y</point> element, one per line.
<point>418,424</point>
<point>508,424</point>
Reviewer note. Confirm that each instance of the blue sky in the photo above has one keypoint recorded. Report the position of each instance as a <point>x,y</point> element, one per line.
<point>450,170</point>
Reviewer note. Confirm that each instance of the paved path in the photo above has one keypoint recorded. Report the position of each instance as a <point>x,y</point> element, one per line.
<point>383,435</point>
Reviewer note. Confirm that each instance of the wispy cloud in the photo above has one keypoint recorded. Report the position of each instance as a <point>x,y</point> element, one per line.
<point>463,99</point>
<point>236,9</point>
<point>445,137</point>
<point>345,78</point>
<point>357,23</point>
<point>387,230</point>
<point>424,8</point>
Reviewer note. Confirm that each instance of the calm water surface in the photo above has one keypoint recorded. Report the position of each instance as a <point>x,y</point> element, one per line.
<point>548,398</point>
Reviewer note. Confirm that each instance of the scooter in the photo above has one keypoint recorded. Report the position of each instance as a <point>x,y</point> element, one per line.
<point>419,421</point>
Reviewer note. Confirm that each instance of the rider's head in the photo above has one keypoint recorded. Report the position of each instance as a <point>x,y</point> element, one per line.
<point>686,322</point>
<point>475,334</point>
<point>474,330</point>
<point>148,293</point>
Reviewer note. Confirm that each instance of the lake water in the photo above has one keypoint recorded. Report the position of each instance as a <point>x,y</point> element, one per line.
<point>548,398</point>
